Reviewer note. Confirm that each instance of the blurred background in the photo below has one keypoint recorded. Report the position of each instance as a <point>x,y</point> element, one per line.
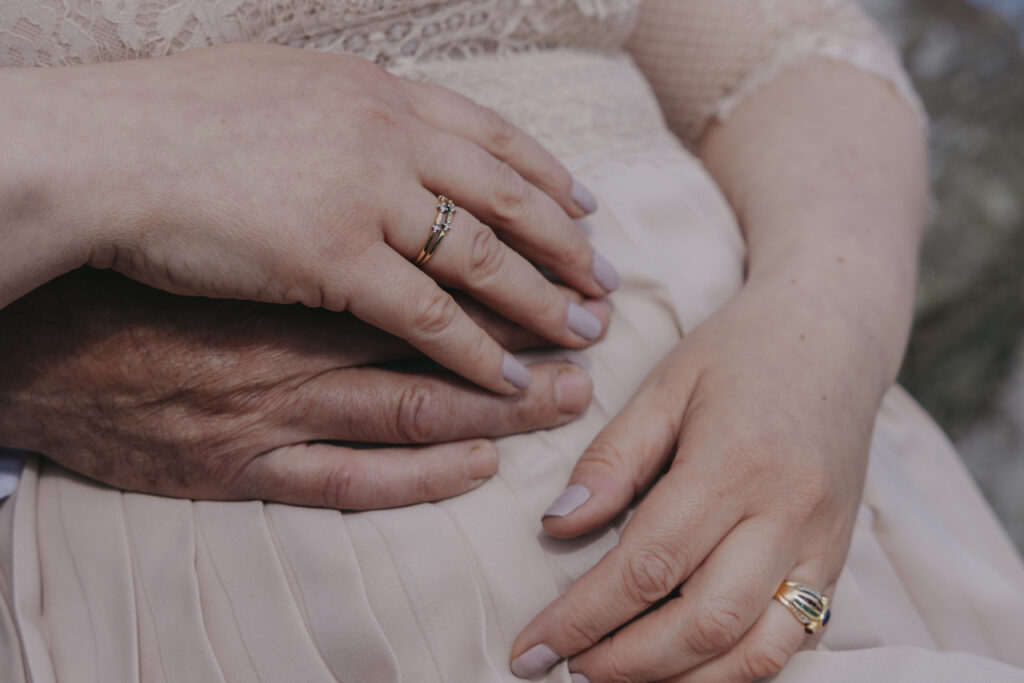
<point>966,357</point>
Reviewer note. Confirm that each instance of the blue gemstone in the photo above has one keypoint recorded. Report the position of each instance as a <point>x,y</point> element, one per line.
<point>828,615</point>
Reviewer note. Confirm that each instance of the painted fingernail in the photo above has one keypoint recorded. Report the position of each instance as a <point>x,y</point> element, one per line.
<point>482,462</point>
<point>578,678</point>
<point>605,274</point>
<point>534,661</point>
<point>571,498</point>
<point>583,322</point>
<point>514,372</point>
<point>572,390</point>
<point>583,197</point>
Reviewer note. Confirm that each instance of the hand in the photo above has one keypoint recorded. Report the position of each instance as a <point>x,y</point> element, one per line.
<point>282,175</point>
<point>750,444</point>
<point>202,398</point>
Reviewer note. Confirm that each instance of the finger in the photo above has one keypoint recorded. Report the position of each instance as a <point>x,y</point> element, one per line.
<point>397,297</point>
<point>664,542</point>
<point>343,340</point>
<point>762,652</point>
<point>515,337</point>
<point>455,113</point>
<point>471,258</point>
<point>383,406</point>
<point>717,605</point>
<point>625,457</point>
<point>527,219</point>
<point>333,476</point>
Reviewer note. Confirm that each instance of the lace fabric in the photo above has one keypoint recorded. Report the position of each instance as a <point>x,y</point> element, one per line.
<point>390,32</point>
<point>701,56</point>
<point>704,58</point>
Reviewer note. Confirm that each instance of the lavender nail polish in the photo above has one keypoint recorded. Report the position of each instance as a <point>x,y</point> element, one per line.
<point>605,273</point>
<point>578,678</point>
<point>534,661</point>
<point>583,322</point>
<point>514,372</point>
<point>571,498</point>
<point>583,197</point>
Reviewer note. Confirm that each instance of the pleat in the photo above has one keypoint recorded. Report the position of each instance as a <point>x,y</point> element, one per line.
<point>162,534</point>
<point>12,663</point>
<point>443,594</point>
<point>219,617</point>
<point>319,552</point>
<point>88,591</point>
<point>387,597</point>
<point>22,555</point>
<point>249,571</point>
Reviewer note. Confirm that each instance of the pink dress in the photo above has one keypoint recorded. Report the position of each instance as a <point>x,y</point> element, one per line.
<point>98,585</point>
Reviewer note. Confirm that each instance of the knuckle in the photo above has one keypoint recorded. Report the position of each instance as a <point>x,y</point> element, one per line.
<point>510,192</point>
<point>617,671</point>
<point>418,412</point>
<point>651,574</point>
<point>573,254</point>
<point>763,659</point>
<point>435,312</point>
<point>620,663</point>
<point>378,113</point>
<point>429,483</point>
<point>604,455</point>
<point>499,132</point>
<point>579,633</point>
<point>486,256</point>
<point>338,487</point>
<point>718,626</point>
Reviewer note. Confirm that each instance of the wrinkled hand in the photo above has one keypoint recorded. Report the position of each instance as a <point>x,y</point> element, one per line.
<point>283,175</point>
<point>749,443</point>
<point>222,399</point>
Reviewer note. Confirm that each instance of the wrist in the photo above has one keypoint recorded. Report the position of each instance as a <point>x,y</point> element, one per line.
<point>40,233</point>
<point>858,316</point>
<point>66,180</point>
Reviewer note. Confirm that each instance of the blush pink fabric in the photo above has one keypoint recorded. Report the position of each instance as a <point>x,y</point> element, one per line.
<point>98,585</point>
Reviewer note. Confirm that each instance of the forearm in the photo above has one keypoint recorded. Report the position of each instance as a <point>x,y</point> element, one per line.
<point>826,168</point>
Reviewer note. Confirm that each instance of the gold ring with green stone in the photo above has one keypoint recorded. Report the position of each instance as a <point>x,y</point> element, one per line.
<point>808,605</point>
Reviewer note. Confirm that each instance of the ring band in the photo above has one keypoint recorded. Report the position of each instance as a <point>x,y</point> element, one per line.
<point>442,224</point>
<point>808,605</point>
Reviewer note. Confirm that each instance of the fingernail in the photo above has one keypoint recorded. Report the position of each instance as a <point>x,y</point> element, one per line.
<point>571,498</point>
<point>578,678</point>
<point>583,322</point>
<point>572,390</point>
<point>514,372</point>
<point>536,660</point>
<point>583,197</point>
<point>482,462</point>
<point>605,273</point>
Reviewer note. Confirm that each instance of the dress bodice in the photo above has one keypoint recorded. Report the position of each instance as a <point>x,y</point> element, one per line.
<point>390,32</point>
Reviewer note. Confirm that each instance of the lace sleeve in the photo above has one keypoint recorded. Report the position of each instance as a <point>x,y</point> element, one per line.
<point>703,57</point>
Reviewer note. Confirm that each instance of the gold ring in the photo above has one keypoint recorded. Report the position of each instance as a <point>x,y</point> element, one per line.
<point>808,605</point>
<point>442,224</point>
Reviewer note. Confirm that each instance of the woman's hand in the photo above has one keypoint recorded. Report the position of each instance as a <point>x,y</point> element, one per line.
<point>749,443</point>
<point>282,175</point>
<point>225,399</point>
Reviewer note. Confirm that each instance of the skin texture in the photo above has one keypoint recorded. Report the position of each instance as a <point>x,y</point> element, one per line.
<point>281,175</point>
<point>749,441</point>
<point>222,399</point>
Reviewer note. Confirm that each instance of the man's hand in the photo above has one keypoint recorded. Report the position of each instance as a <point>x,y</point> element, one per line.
<point>224,399</point>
